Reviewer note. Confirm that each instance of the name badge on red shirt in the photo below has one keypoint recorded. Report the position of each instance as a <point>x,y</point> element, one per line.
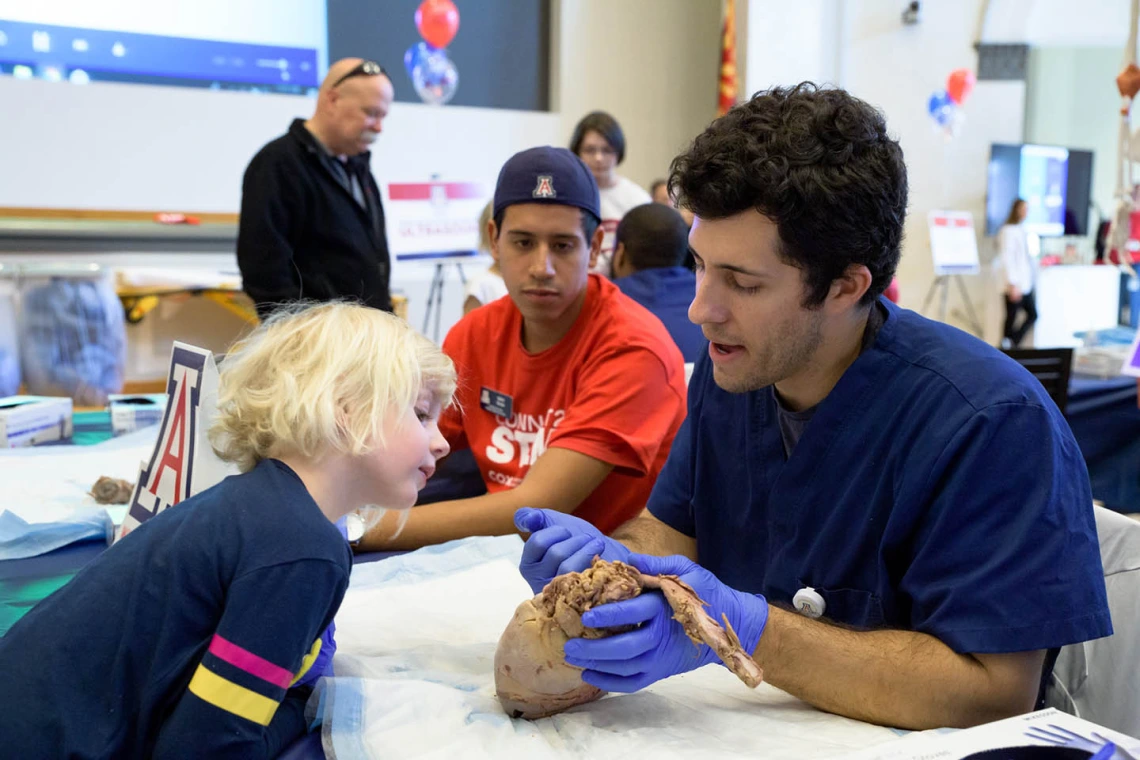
<point>495,402</point>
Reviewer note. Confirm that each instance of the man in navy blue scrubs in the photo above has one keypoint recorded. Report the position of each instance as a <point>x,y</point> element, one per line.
<point>893,516</point>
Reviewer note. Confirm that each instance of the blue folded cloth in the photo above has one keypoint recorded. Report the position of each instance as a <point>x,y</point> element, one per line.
<point>20,539</point>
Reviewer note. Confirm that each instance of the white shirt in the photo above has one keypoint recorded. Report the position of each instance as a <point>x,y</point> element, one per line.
<point>616,202</point>
<point>485,287</point>
<point>1017,262</point>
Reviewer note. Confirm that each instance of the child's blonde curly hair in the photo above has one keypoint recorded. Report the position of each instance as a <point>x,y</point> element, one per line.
<point>314,379</point>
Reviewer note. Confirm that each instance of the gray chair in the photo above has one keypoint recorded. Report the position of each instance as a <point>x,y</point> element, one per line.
<point>1099,680</point>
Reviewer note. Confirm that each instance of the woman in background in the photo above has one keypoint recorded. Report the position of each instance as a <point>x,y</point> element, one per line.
<point>488,285</point>
<point>1020,274</point>
<point>600,143</point>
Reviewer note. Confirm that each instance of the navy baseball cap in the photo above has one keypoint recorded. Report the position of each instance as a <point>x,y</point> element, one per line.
<point>547,175</point>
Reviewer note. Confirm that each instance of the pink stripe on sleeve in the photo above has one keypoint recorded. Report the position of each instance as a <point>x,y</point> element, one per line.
<point>249,662</point>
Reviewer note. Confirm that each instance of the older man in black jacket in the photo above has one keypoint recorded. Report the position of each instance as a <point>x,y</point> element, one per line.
<point>312,222</point>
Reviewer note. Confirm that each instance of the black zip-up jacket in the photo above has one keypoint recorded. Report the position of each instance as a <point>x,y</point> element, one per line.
<point>302,234</point>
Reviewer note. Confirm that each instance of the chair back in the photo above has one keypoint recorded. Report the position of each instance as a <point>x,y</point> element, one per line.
<point>1051,366</point>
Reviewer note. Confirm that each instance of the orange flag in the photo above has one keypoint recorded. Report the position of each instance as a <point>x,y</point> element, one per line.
<point>726,98</point>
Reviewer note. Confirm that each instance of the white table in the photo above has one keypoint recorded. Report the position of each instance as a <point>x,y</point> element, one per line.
<point>416,640</point>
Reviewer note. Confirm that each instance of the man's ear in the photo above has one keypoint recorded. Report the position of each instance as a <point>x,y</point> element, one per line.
<point>493,236</point>
<point>847,289</point>
<point>617,264</point>
<point>596,245</point>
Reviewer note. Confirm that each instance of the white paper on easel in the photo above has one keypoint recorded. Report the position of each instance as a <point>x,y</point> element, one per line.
<point>183,462</point>
<point>433,219</point>
<point>953,243</point>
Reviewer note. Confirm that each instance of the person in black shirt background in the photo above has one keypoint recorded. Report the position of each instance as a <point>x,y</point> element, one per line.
<point>312,220</point>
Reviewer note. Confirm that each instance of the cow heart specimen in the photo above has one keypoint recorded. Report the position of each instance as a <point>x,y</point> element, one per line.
<point>533,680</point>
<point>112,490</point>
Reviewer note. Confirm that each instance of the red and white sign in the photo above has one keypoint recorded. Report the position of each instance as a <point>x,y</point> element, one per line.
<point>430,220</point>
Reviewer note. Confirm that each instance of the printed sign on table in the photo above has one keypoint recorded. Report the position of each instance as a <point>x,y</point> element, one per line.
<point>183,463</point>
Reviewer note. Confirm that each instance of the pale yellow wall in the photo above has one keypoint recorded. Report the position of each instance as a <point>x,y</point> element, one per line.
<point>653,64</point>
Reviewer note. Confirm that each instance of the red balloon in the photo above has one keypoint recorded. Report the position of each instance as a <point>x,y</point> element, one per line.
<point>438,21</point>
<point>892,291</point>
<point>960,84</point>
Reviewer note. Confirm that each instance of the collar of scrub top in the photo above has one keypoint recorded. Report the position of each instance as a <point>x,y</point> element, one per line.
<point>362,69</point>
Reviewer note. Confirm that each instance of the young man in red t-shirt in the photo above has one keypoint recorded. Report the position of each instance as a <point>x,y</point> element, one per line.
<point>569,392</point>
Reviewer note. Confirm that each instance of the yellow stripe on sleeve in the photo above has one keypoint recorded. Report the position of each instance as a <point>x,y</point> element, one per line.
<point>307,661</point>
<point>232,698</point>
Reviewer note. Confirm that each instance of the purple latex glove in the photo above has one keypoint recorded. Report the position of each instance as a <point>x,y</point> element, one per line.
<point>560,543</point>
<point>658,647</point>
<point>322,666</point>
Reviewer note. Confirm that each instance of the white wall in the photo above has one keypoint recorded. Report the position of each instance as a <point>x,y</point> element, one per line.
<point>791,42</point>
<point>1056,22</point>
<point>128,146</point>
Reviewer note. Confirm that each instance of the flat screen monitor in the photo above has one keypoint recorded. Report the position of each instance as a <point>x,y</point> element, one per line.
<point>1056,182</point>
<point>277,46</point>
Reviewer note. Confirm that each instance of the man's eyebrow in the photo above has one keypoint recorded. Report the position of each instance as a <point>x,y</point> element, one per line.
<point>556,235</point>
<point>741,270</point>
<point>729,267</point>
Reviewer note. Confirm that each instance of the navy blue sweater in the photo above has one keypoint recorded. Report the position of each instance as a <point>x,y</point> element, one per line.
<point>183,639</point>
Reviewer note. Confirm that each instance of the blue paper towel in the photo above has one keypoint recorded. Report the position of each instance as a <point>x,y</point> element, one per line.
<point>20,539</point>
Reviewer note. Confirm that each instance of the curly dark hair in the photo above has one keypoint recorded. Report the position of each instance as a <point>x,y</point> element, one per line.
<point>816,161</point>
<point>606,126</point>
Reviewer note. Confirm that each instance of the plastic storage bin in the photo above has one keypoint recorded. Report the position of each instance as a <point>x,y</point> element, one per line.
<point>73,337</point>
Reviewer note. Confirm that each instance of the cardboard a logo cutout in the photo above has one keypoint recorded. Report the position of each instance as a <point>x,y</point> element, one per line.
<point>182,463</point>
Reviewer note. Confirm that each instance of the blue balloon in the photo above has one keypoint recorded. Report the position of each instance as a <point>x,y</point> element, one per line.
<point>941,108</point>
<point>415,54</point>
<point>435,78</point>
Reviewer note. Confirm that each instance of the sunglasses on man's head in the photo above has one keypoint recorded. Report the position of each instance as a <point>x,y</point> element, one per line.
<point>363,69</point>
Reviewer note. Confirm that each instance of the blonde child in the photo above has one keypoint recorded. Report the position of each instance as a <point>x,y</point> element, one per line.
<point>188,637</point>
<point>488,285</point>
